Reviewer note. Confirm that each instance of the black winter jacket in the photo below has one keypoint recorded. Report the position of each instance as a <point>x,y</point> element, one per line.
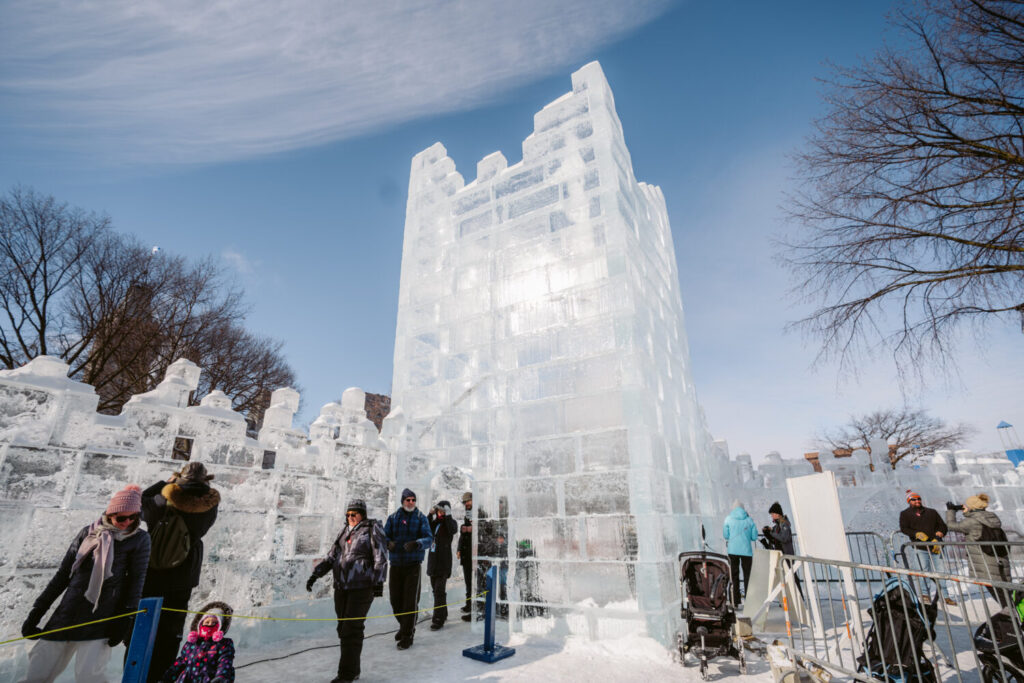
<point>439,559</point>
<point>197,505</point>
<point>359,557</point>
<point>927,521</point>
<point>465,546</point>
<point>120,594</point>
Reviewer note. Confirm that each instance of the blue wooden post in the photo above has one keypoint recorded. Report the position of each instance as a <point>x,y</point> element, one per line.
<point>489,652</point>
<point>140,649</point>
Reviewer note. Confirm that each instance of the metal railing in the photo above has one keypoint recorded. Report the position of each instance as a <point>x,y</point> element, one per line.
<point>999,561</point>
<point>880,628</point>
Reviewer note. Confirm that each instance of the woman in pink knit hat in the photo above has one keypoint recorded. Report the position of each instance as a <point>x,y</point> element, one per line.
<point>100,576</point>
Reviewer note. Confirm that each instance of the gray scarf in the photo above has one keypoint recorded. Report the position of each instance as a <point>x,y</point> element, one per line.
<point>99,542</point>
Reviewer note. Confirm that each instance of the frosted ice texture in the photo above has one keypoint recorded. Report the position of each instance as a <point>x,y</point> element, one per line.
<point>540,345</point>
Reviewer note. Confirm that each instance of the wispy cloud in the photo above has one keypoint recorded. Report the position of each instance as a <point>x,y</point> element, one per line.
<point>239,261</point>
<point>195,81</point>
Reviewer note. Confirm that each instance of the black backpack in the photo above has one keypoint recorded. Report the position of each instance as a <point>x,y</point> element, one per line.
<point>994,534</point>
<point>170,541</point>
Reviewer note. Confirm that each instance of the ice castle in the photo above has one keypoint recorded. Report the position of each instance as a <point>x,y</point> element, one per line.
<point>540,361</point>
<point>541,350</point>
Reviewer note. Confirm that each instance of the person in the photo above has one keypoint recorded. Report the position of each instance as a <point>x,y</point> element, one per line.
<point>984,566</point>
<point>925,529</point>
<point>207,656</point>
<point>780,536</point>
<point>464,552</point>
<point>100,576</point>
<point>740,532</point>
<point>185,496</point>
<point>408,535</point>
<point>439,559</point>
<point>360,565</point>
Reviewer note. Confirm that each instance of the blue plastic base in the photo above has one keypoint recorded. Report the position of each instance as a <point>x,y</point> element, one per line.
<point>479,653</point>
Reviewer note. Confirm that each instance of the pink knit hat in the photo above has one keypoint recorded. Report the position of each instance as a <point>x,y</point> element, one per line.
<point>128,499</point>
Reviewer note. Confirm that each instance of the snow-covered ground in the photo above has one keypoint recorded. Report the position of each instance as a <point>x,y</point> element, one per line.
<point>437,656</point>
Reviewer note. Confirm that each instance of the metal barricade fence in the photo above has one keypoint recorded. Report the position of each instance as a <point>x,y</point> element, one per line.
<point>991,561</point>
<point>868,547</point>
<point>880,628</point>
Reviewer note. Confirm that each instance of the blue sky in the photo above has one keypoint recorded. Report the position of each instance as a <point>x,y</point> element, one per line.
<point>279,135</point>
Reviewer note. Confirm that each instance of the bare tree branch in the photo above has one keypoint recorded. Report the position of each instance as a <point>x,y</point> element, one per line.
<point>911,213</point>
<point>910,434</point>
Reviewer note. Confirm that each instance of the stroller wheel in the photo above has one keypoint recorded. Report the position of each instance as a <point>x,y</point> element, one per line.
<point>990,674</point>
<point>703,670</point>
<point>743,663</point>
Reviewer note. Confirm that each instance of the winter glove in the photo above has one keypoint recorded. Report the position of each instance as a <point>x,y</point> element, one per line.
<point>921,536</point>
<point>378,590</point>
<point>29,629</point>
<point>936,549</point>
<point>766,531</point>
<point>410,546</point>
<point>309,583</point>
<point>391,545</point>
<point>952,506</point>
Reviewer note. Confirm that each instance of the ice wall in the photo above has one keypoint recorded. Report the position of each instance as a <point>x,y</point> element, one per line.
<point>540,347</point>
<point>283,493</point>
<point>872,500</point>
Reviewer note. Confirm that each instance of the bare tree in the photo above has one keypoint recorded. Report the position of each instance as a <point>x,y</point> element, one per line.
<point>911,207</point>
<point>44,246</point>
<point>909,433</point>
<point>120,314</point>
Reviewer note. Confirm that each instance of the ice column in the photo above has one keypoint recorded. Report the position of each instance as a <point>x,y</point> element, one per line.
<point>541,347</point>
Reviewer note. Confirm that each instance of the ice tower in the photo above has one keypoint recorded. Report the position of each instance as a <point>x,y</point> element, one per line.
<point>540,349</point>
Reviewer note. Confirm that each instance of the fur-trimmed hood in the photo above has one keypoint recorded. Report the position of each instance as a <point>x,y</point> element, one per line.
<point>191,499</point>
<point>220,609</point>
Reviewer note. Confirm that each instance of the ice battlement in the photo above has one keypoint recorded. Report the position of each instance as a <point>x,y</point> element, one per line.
<point>589,104</point>
<point>283,493</point>
<point>872,498</point>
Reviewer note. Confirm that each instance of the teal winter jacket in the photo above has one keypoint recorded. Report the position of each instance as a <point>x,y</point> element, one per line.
<point>740,532</point>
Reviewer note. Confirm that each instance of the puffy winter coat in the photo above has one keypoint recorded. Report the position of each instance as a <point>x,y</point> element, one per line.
<point>439,559</point>
<point>120,594</point>
<point>204,660</point>
<point>358,557</point>
<point>922,519</point>
<point>403,527</point>
<point>782,535</point>
<point>197,504</point>
<point>465,547</point>
<point>740,532</point>
<point>983,566</point>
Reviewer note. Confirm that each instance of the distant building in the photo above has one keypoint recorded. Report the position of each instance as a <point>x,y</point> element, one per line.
<point>377,408</point>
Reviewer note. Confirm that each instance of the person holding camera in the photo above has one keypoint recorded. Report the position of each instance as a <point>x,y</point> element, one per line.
<point>408,534</point>
<point>360,566</point>
<point>439,559</point>
<point>980,526</point>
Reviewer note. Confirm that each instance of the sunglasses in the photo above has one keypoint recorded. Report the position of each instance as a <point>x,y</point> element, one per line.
<point>124,518</point>
<point>913,499</point>
<point>406,500</point>
<point>352,514</point>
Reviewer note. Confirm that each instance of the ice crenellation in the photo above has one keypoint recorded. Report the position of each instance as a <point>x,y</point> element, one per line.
<point>283,493</point>
<point>871,499</point>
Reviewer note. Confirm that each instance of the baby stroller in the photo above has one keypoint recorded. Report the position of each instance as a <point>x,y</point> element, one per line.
<point>708,611</point>
<point>893,649</point>
<point>1004,648</point>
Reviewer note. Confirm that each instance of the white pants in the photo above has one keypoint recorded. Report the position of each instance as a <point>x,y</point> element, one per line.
<point>48,658</point>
